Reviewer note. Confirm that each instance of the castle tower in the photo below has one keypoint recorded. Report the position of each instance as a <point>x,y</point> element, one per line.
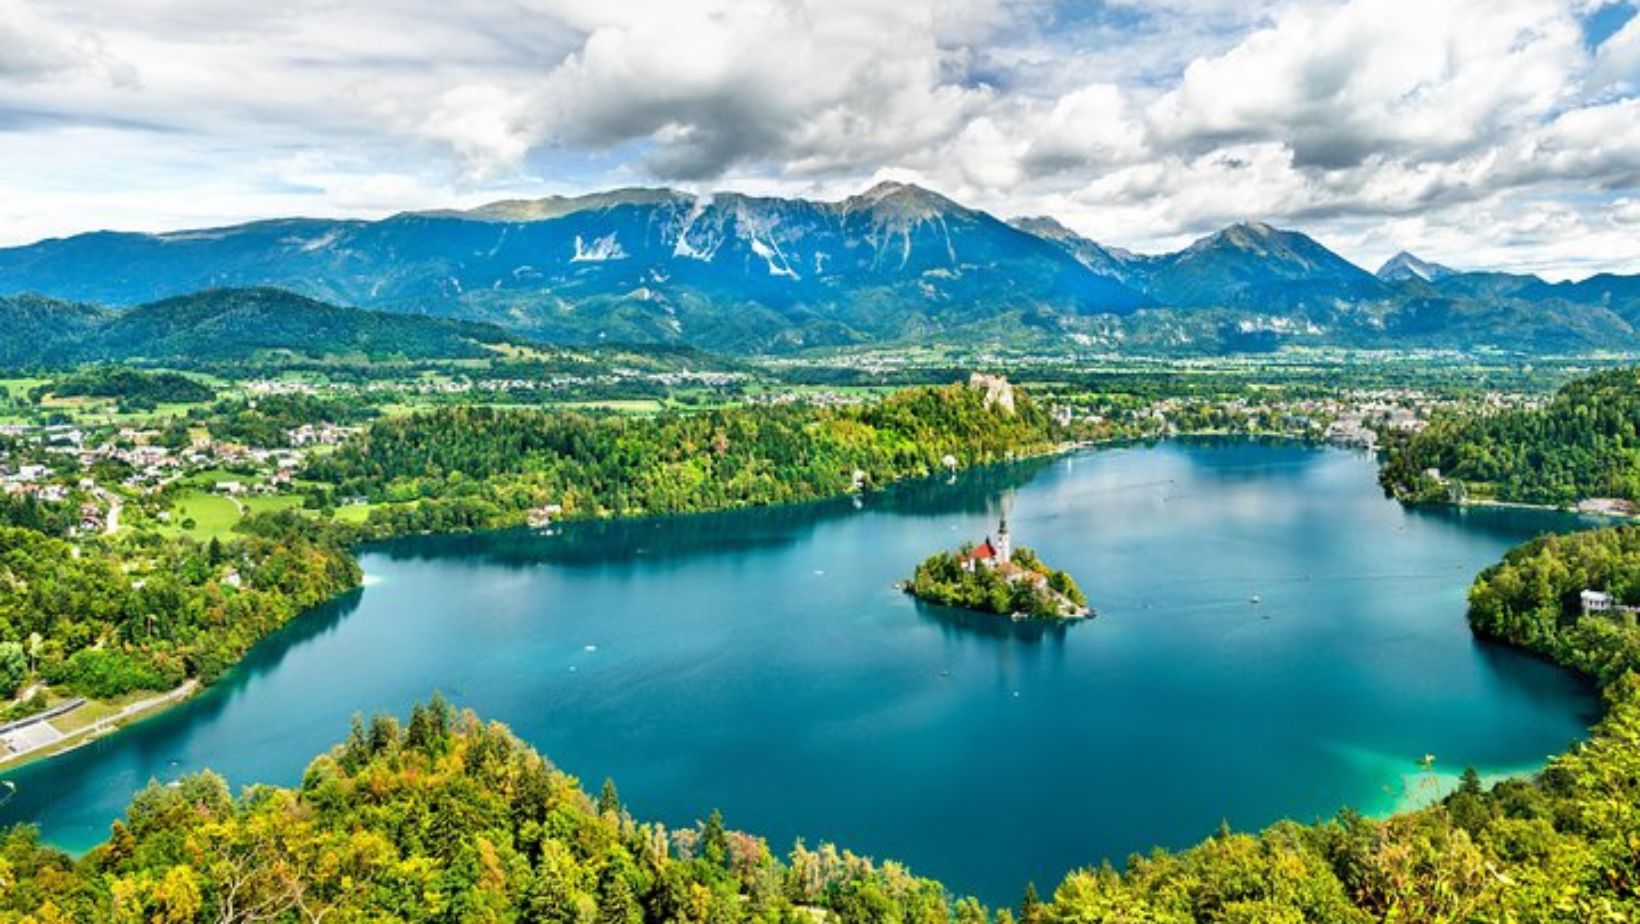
<point>1004,544</point>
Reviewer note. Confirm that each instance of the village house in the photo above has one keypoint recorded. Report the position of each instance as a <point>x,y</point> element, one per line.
<point>33,472</point>
<point>1593,602</point>
<point>91,518</point>
<point>541,517</point>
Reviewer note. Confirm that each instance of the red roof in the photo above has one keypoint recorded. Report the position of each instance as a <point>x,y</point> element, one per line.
<point>983,550</point>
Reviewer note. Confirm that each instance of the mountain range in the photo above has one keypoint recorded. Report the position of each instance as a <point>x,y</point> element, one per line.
<point>895,264</point>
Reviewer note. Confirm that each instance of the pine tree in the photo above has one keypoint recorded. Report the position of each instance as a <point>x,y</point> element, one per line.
<point>714,840</point>
<point>1030,907</point>
<point>608,799</point>
<point>616,904</point>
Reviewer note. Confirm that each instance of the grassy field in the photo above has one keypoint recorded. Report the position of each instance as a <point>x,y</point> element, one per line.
<point>95,710</point>
<point>271,503</point>
<point>17,388</point>
<point>356,514</point>
<point>213,516</point>
<point>90,411</point>
<point>211,477</point>
<point>624,405</point>
<point>216,515</point>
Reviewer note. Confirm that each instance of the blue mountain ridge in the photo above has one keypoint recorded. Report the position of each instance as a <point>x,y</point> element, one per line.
<point>895,264</point>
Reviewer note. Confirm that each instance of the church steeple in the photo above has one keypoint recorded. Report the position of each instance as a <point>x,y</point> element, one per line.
<point>1004,543</point>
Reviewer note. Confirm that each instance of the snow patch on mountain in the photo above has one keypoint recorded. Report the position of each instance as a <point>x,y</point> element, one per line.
<point>309,245</point>
<point>1278,324</point>
<point>604,248</point>
<point>774,258</point>
<point>706,249</point>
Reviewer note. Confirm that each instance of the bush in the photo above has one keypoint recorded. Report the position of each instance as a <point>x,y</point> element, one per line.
<point>102,672</point>
<point>13,668</point>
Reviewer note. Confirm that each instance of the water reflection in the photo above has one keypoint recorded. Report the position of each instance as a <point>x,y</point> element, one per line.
<point>1029,631</point>
<point>603,543</point>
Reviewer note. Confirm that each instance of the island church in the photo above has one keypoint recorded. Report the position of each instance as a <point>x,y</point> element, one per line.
<point>992,552</point>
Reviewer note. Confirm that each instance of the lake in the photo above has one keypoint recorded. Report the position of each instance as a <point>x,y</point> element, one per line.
<point>762,662</point>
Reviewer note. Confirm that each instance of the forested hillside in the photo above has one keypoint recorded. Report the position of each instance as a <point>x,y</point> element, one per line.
<point>132,387</point>
<point>106,617</point>
<point>1530,599</point>
<point>468,466</point>
<point>1584,443</point>
<point>226,325</point>
<point>445,819</point>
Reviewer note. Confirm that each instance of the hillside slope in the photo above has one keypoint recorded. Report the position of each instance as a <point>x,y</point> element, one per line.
<point>1585,443</point>
<point>228,324</point>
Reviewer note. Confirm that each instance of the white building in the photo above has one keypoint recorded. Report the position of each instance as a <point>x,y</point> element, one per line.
<point>1595,601</point>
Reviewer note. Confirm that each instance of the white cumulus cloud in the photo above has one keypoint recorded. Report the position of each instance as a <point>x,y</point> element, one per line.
<point>1477,132</point>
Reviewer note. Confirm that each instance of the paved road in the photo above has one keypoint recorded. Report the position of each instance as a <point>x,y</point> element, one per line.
<point>35,742</point>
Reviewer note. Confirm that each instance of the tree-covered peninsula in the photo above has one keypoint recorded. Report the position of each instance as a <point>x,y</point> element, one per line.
<point>445,818</point>
<point>476,467</point>
<point>1584,443</point>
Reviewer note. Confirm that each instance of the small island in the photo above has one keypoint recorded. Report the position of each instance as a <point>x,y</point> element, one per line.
<point>994,577</point>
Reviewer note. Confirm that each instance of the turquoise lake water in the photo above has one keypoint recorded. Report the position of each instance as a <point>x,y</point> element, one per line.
<point>762,662</point>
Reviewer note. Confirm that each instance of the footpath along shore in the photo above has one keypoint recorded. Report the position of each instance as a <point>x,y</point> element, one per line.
<point>32,741</point>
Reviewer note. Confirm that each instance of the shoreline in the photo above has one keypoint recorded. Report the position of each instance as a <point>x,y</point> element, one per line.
<point>1493,504</point>
<point>1419,790</point>
<point>160,703</point>
<point>128,715</point>
<point>164,702</point>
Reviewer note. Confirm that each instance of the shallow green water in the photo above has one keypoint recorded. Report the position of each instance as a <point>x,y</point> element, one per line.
<point>762,662</point>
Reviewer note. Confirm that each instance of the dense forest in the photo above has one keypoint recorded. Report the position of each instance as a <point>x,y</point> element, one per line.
<point>26,511</point>
<point>106,617</point>
<point>443,819</point>
<point>1584,443</point>
<point>942,579</point>
<point>134,389</point>
<point>1531,599</point>
<point>466,467</point>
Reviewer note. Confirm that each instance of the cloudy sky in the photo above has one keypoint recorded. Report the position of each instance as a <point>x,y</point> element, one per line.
<point>1482,133</point>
